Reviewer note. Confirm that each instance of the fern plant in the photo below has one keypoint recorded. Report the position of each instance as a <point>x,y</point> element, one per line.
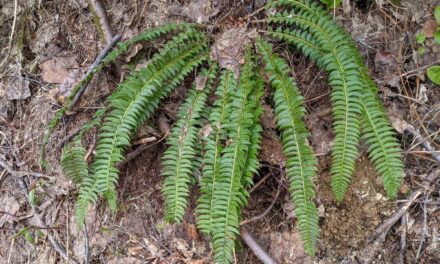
<point>229,128</point>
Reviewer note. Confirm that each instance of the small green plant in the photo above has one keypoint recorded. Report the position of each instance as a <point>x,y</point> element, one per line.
<point>231,131</point>
<point>331,3</point>
<point>437,18</point>
<point>434,74</point>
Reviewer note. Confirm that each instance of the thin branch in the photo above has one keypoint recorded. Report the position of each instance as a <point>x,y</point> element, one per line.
<point>101,15</point>
<point>19,174</point>
<point>261,254</point>
<point>268,209</point>
<point>432,177</point>
<point>86,244</point>
<point>95,64</point>
<point>404,225</point>
<point>44,229</point>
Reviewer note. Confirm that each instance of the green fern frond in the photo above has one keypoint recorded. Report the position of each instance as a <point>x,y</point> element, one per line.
<point>227,195</point>
<point>384,150</point>
<point>346,93</point>
<point>301,163</point>
<point>213,148</point>
<point>178,160</point>
<point>147,36</point>
<point>122,48</point>
<point>134,101</point>
<point>73,163</point>
<point>252,164</point>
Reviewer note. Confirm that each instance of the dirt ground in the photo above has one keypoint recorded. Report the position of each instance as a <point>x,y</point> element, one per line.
<point>46,46</point>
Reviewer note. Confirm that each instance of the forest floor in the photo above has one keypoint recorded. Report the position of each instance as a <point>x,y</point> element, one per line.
<point>48,45</point>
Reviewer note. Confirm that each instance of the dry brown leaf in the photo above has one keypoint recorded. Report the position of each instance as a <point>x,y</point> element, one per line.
<point>287,247</point>
<point>182,246</point>
<point>198,11</point>
<point>429,28</point>
<point>56,70</point>
<point>17,88</point>
<point>228,49</point>
<point>191,231</point>
<point>272,150</point>
<point>135,250</point>
<point>10,206</point>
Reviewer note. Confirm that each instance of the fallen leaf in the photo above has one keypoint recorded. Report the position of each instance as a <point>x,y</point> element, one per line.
<point>429,28</point>
<point>181,245</point>
<point>191,231</point>
<point>57,69</point>
<point>154,249</point>
<point>423,94</point>
<point>272,150</point>
<point>198,11</point>
<point>228,49</point>
<point>10,206</point>
<point>69,82</point>
<point>383,57</point>
<point>133,251</point>
<point>17,88</point>
<point>287,247</point>
<point>201,82</point>
<point>46,33</point>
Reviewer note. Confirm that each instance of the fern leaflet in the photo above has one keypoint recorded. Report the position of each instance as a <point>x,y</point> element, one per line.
<point>301,162</point>
<point>213,149</point>
<point>178,159</point>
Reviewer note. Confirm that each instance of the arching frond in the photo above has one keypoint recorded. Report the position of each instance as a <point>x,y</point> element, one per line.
<point>227,194</point>
<point>334,50</point>
<point>73,163</point>
<point>178,160</point>
<point>300,165</point>
<point>134,101</point>
<point>122,48</point>
<point>213,148</point>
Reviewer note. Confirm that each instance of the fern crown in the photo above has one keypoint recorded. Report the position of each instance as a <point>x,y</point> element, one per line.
<point>222,137</point>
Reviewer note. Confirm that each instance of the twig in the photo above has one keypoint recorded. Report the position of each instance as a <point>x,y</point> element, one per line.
<point>86,244</point>
<point>144,140</point>
<point>99,12</point>
<point>375,241</point>
<point>424,230</point>
<point>95,64</point>
<point>432,177</point>
<point>10,250</point>
<point>274,200</point>
<point>422,141</point>
<point>44,229</point>
<point>11,38</point>
<point>404,223</point>
<point>68,138</point>
<point>261,254</point>
<point>19,174</point>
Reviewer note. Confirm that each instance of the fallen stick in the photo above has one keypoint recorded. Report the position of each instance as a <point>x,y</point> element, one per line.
<point>20,174</point>
<point>95,64</point>
<point>73,99</point>
<point>44,229</point>
<point>403,127</point>
<point>433,176</point>
<point>261,254</point>
<point>424,142</point>
<point>376,239</point>
<point>100,14</point>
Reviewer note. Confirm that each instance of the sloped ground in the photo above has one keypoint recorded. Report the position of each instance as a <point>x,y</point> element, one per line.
<point>54,42</point>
